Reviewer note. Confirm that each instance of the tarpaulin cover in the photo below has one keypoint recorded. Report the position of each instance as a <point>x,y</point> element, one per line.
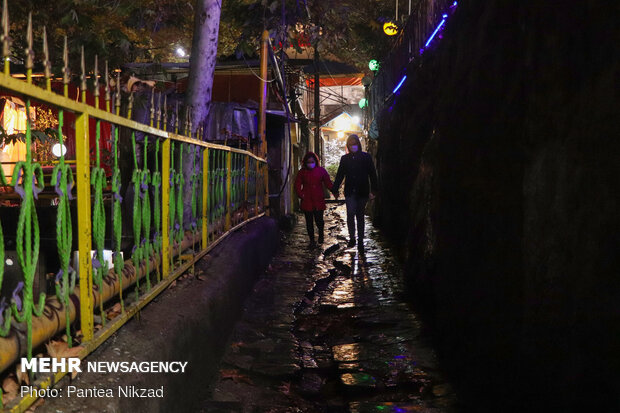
<point>230,120</point>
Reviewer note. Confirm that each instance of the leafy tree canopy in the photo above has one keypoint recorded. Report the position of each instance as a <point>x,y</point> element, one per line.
<point>346,30</point>
<point>119,31</point>
<point>124,31</point>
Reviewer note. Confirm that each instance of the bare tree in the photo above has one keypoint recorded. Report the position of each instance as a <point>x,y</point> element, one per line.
<point>202,59</point>
<point>202,67</point>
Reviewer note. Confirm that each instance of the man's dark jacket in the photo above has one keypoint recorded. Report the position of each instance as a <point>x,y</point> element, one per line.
<point>358,169</point>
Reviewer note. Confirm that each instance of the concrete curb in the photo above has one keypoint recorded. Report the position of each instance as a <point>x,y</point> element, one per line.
<point>190,322</point>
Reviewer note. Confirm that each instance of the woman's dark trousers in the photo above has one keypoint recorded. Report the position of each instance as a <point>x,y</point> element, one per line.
<point>311,218</point>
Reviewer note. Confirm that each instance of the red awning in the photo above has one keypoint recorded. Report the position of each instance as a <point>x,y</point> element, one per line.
<point>326,81</point>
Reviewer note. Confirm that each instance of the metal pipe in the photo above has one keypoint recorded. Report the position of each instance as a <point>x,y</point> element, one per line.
<point>397,11</point>
<point>52,321</point>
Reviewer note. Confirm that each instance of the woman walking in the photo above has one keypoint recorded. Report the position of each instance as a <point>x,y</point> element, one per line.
<point>309,187</point>
<point>357,169</point>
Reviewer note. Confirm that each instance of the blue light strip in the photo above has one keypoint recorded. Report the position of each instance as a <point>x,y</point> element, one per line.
<point>436,30</point>
<point>430,39</point>
<point>400,84</point>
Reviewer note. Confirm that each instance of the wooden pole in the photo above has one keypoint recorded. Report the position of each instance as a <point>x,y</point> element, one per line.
<point>317,104</point>
<point>263,93</point>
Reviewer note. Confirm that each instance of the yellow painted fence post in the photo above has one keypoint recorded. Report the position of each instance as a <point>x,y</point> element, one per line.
<point>227,223</point>
<point>246,207</point>
<point>205,197</point>
<point>256,186</point>
<point>165,207</point>
<point>266,177</point>
<point>82,160</point>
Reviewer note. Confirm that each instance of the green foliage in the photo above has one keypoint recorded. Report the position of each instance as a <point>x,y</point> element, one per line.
<point>346,30</point>
<point>47,135</point>
<point>117,31</point>
<point>151,30</point>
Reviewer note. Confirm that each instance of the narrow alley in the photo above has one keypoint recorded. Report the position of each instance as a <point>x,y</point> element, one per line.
<point>162,164</point>
<point>328,330</point>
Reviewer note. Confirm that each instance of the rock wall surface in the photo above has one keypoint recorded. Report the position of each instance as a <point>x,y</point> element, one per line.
<point>499,165</point>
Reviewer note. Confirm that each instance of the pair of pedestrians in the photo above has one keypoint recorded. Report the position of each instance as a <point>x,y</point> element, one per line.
<point>357,170</point>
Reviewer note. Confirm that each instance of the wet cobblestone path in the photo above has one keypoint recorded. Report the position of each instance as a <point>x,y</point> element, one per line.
<point>328,330</point>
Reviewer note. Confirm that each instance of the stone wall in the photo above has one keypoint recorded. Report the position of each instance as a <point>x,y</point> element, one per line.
<point>500,172</point>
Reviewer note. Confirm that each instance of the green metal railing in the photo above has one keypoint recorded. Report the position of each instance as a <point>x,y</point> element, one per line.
<point>228,188</point>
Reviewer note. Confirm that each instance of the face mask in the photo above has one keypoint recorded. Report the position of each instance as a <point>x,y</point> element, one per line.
<point>311,165</point>
<point>354,148</point>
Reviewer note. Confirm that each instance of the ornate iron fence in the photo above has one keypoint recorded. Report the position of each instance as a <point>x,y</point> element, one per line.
<point>178,198</point>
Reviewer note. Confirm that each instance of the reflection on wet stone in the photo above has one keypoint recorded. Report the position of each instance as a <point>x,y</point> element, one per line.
<point>359,380</point>
<point>374,407</point>
<point>330,332</point>
<point>346,352</point>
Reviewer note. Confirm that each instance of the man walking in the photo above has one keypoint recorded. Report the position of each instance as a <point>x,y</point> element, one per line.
<point>358,171</point>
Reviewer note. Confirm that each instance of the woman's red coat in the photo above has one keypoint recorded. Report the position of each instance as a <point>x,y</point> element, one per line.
<point>309,187</point>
